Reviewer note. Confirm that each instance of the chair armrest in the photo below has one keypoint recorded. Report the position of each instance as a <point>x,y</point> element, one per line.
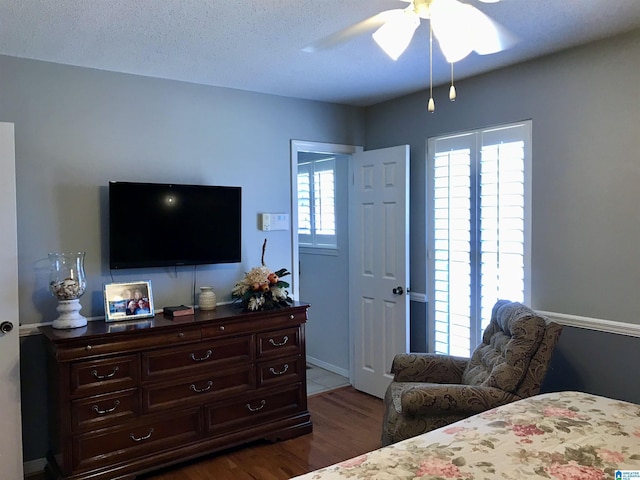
<point>436,400</point>
<point>428,368</point>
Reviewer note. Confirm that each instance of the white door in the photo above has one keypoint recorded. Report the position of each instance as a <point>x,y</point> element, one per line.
<point>379,264</point>
<point>10,425</point>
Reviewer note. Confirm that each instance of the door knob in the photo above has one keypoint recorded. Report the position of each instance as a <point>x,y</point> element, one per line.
<point>6,327</point>
<point>398,291</point>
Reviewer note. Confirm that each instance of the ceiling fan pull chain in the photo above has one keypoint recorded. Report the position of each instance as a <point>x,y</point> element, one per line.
<point>431,105</point>
<point>452,90</point>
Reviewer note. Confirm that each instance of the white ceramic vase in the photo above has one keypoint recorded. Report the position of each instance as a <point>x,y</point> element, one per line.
<point>207,299</point>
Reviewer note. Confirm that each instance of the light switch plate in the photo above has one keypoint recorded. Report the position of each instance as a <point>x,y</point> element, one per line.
<point>273,221</point>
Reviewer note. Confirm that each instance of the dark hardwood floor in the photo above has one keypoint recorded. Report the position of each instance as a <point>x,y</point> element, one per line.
<point>346,423</point>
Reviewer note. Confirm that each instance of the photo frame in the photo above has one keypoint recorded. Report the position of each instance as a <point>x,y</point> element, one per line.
<point>128,301</point>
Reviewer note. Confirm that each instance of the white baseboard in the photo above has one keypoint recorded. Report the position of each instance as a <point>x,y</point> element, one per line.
<point>33,467</point>
<point>328,366</point>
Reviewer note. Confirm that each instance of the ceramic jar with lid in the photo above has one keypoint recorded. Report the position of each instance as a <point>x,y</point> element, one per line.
<point>207,299</point>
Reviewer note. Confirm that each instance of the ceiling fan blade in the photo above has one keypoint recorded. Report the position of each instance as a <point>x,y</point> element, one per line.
<point>450,22</point>
<point>357,29</point>
<point>461,28</point>
<point>396,34</point>
<point>490,36</point>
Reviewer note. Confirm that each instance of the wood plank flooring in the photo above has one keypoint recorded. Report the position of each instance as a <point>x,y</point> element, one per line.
<point>346,423</point>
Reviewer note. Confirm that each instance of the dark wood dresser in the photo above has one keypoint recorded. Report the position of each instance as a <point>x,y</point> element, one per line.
<point>128,398</point>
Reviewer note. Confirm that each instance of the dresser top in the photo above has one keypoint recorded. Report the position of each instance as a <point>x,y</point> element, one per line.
<point>229,313</point>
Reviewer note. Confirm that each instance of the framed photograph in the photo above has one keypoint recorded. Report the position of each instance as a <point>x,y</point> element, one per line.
<point>128,301</point>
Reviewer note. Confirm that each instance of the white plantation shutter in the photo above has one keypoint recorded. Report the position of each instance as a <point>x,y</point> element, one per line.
<point>316,203</point>
<point>452,246</point>
<point>480,228</point>
<point>304,202</point>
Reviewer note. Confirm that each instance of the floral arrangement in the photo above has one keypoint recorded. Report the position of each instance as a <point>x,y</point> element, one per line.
<point>262,289</point>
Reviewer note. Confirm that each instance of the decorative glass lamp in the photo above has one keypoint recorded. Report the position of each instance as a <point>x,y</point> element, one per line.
<point>67,283</point>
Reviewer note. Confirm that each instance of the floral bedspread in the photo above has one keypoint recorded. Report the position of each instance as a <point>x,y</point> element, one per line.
<point>562,435</point>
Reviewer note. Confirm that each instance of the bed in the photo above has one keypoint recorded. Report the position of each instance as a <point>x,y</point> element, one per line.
<point>558,436</point>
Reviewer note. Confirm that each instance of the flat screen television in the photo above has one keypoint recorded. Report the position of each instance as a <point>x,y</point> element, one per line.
<point>159,225</point>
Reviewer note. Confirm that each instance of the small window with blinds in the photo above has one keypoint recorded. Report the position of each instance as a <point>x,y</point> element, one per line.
<point>316,203</point>
<point>479,238</point>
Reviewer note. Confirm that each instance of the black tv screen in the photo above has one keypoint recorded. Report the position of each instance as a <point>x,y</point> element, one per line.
<point>158,225</point>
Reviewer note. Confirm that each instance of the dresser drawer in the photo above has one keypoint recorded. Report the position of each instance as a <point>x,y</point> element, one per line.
<point>275,320</point>
<point>105,375</point>
<point>138,340</point>
<point>253,409</point>
<point>110,446</point>
<point>103,410</point>
<point>198,389</point>
<point>281,370</point>
<point>278,343</point>
<point>197,357</point>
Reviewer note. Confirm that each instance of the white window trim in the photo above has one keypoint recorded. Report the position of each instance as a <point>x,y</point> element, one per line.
<point>319,250</point>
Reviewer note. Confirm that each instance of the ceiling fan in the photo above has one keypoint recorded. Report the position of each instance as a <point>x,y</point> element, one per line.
<point>459,28</point>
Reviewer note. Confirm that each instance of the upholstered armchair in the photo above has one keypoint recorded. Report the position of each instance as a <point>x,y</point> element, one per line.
<point>429,390</point>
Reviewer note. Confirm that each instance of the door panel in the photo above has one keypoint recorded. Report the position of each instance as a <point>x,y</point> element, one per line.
<point>379,266</point>
<point>10,424</point>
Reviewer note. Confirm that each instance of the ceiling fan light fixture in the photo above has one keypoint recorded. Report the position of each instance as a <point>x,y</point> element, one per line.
<point>395,35</point>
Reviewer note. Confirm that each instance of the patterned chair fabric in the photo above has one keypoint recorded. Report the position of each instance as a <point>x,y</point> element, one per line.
<point>430,390</point>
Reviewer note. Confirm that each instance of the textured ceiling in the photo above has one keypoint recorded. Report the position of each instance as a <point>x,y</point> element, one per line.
<point>257,45</point>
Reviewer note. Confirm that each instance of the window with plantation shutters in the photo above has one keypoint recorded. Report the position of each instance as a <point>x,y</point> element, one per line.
<point>479,231</point>
<point>316,203</point>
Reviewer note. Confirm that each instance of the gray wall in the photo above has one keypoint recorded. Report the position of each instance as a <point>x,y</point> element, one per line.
<point>77,128</point>
<point>595,362</point>
<point>585,108</point>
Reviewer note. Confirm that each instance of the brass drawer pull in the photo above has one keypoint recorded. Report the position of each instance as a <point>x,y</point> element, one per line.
<point>284,370</point>
<point>205,389</point>
<point>206,356</point>
<point>139,439</point>
<point>251,409</point>
<point>96,409</point>
<point>279,344</point>
<point>104,377</point>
